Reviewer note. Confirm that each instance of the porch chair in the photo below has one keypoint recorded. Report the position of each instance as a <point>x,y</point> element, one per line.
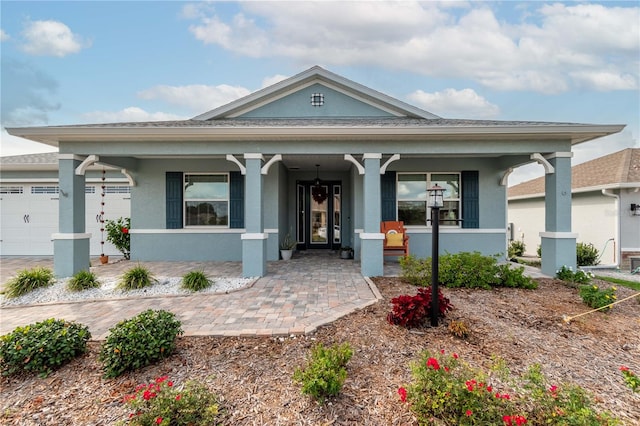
<point>396,240</point>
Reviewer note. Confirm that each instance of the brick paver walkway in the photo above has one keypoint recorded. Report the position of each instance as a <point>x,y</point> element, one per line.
<point>295,297</point>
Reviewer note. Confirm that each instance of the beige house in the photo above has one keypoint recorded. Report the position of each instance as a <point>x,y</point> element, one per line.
<point>605,207</point>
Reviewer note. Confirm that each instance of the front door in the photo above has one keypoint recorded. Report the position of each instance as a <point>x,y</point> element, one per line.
<point>319,215</point>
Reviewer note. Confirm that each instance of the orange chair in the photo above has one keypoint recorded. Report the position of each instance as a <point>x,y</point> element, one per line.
<point>396,240</point>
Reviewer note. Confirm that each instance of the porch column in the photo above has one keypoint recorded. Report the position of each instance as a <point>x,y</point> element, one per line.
<point>372,261</point>
<point>558,242</point>
<point>71,243</point>
<point>254,240</point>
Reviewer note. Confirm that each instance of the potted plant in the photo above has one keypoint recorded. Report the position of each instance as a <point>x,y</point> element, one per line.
<point>118,235</point>
<point>346,252</point>
<point>286,247</point>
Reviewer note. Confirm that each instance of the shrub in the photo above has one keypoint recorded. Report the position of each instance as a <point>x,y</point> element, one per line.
<point>135,278</point>
<point>459,329</point>
<point>516,249</point>
<point>630,379</point>
<point>325,372</point>
<point>139,341</point>
<point>597,298</point>
<point>162,403</point>
<point>42,347</point>
<point>412,311</point>
<point>28,280</point>
<point>83,280</point>
<point>118,235</point>
<point>514,277</point>
<point>196,281</point>
<point>579,277</point>
<point>586,254</point>
<point>465,269</point>
<point>416,271</point>
<point>446,390</point>
<point>469,270</point>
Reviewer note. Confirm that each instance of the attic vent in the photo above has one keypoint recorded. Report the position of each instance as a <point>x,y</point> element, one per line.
<point>317,99</point>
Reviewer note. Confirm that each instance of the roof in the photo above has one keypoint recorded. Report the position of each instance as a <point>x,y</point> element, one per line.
<point>618,170</point>
<point>225,124</point>
<point>30,159</point>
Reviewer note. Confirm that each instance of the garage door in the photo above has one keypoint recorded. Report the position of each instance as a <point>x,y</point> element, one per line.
<point>29,216</point>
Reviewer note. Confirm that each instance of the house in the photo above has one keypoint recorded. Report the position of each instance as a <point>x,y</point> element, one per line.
<point>230,183</point>
<point>29,194</point>
<point>605,198</point>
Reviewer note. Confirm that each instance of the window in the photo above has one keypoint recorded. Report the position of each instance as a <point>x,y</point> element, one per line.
<point>412,197</point>
<point>45,189</point>
<point>206,199</point>
<point>317,99</point>
<point>11,190</point>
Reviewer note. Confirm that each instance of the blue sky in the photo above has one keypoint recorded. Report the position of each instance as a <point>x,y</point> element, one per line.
<point>89,62</point>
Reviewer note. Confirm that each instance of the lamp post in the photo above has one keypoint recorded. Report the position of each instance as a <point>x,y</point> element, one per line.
<point>436,200</point>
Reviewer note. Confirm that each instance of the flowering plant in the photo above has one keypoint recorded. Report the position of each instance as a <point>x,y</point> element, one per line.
<point>448,391</point>
<point>162,403</point>
<point>118,235</point>
<point>580,277</point>
<point>631,379</point>
<point>598,298</point>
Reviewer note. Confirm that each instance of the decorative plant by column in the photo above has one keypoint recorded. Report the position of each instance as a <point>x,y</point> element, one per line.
<point>118,235</point>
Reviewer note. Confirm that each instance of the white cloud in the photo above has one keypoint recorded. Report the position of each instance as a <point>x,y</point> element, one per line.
<point>269,81</point>
<point>51,38</point>
<point>197,97</point>
<point>3,36</point>
<point>129,114</point>
<point>551,49</point>
<point>455,103</point>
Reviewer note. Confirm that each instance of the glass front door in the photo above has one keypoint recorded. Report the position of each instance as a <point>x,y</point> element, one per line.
<point>319,215</point>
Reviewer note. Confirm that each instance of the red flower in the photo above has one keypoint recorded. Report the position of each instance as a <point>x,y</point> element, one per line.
<point>455,355</point>
<point>623,368</point>
<point>169,383</point>
<point>507,420</point>
<point>553,389</point>
<point>178,397</point>
<point>442,351</point>
<point>159,420</point>
<point>125,230</point>
<point>468,413</point>
<point>489,389</point>
<point>432,362</point>
<point>403,394</point>
<point>520,420</point>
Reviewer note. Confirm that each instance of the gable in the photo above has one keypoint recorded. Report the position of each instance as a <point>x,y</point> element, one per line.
<point>348,99</point>
<point>318,100</point>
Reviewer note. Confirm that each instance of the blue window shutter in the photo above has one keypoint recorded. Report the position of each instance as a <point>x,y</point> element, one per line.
<point>388,195</point>
<point>236,200</point>
<point>174,199</point>
<point>470,199</point>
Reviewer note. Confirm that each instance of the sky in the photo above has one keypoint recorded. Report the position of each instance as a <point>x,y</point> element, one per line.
<point>79,62</point>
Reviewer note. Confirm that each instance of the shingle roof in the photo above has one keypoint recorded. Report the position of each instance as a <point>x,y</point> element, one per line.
<point>41,158</point>
<point>622,167</point>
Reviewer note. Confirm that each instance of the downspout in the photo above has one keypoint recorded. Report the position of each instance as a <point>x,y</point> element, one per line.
<point>609,193</point>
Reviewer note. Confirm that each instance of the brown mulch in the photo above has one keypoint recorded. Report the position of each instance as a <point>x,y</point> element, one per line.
<point>252,376</point>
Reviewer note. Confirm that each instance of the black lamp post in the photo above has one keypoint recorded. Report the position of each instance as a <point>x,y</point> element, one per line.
<point>436,200</point>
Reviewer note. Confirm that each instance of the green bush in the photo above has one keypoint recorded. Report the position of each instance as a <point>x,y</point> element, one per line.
<point>139,341</point>
<point>579,277</point>
<point>136,278</point>
<point>42,347</point>
<point>160,402</point>
<point>196,281</point>
<point>586,254</point>
<point>465,269</point>
<point>83,280</point>
<point>118,235</point>
<point>516,249</point>
<point>511,276</point>
<point>597,298</point>
<point>447,391</point>
<point>325,372</point>
<point>28,280</point>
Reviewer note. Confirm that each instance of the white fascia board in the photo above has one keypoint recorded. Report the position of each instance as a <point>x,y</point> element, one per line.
<point>598,188</point>
<point>52,135</point>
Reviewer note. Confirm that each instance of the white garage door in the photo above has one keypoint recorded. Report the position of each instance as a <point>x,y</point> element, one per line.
<point>29,216</point>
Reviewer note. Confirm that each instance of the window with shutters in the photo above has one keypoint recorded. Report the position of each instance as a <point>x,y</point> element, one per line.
<point>412,198</point>
<point>206,199</point>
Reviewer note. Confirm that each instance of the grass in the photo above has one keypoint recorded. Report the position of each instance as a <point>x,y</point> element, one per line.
<point>28,280</point>
<point>634,285</point>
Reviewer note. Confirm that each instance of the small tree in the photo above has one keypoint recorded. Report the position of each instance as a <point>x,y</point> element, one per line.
<point>118,235</point>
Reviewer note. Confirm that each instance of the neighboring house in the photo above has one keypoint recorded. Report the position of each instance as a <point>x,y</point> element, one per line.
<point>29,194</point>
<point>229,184</point>
<point>605,207</point>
